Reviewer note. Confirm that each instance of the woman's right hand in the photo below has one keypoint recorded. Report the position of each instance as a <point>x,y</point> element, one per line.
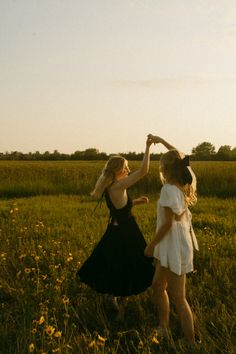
<point>155,139</point>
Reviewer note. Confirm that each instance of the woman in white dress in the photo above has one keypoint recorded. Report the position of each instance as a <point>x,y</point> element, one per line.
<point>174,241</point>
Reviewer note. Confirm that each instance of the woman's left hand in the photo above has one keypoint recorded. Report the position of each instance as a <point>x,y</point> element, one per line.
<point>141,200</point>
<point>144,199</point>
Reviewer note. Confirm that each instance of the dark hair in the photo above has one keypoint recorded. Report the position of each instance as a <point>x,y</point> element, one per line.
<point>183,174</point>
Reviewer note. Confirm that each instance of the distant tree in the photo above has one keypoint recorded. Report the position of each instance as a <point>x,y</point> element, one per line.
<point>130,155</point>
<point>37,155</point>
<point>204,151</point>
<point>91,154</point>
<point>55,155</point>
<point>46,155</point>
<point>233,154</point>
<point>224,152</point>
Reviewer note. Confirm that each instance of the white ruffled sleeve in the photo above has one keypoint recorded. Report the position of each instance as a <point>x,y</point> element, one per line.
<point>173,198</point>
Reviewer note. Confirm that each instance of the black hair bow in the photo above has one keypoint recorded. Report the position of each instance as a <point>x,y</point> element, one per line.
<point>185,161</point>
<point>183,164</point>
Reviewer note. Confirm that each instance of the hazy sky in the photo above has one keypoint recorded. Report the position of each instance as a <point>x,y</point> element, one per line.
<point>77,74</point>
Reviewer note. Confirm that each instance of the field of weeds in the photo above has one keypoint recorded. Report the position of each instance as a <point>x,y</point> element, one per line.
<point>48,230</point>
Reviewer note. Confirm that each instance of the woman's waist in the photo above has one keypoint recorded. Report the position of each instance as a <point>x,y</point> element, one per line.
<point>121,219</point>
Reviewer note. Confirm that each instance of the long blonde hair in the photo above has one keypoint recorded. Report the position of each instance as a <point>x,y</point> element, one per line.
<point>174,166</point>
<point>107,177</point>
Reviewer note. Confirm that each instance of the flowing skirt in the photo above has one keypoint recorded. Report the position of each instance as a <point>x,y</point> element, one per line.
<point>117,265</point>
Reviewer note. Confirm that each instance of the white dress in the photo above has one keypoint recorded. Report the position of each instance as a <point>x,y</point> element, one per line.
<point>175,250</point>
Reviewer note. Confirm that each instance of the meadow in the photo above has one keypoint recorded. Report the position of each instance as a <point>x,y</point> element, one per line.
<point>48,227</point>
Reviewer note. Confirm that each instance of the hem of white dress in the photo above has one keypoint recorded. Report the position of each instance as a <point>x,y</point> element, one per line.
<point>188,270</point>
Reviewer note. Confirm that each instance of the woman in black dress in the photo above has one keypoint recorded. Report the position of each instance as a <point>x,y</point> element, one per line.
<point>117,265</point>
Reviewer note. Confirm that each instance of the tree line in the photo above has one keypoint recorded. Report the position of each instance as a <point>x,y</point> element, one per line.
<point>202,152</point>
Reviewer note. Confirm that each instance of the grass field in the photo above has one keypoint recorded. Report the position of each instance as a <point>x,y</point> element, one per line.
<point>22,179</point>
<point>47,230</point>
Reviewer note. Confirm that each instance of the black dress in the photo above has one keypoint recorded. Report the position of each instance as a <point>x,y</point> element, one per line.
<point>117,265</point>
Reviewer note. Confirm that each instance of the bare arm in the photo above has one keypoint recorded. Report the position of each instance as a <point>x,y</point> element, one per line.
<point>158,139</point>
<point>161,232</point>
<point>141,200</point>
<point>140,173</point>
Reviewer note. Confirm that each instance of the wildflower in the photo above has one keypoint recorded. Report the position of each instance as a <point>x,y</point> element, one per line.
<point>3,256</point>
<point>70,257</point>
<point>57,334</point>
<point>50,330</point>
<point>155,340</point>
<point>31,347</point>
<point>34,330</point>
<point>41,320</point>
<point>27,270</point>
<point>92,344</point>
<point>21,256</point>
<point>37,258</point>
<point>65,300</point>
<point>101,340</point>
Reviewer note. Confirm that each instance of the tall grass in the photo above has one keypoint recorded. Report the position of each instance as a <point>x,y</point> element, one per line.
<point>20,179</point>
<point>44,239</point>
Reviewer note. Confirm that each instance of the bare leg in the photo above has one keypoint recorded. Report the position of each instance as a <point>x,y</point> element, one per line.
<point>161,298</point>
<point>176,287</point>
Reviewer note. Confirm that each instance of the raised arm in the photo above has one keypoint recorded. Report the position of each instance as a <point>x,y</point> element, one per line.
<point>138,174</point>
<point>158,139</point>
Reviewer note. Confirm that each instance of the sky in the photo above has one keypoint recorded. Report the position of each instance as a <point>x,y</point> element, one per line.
<point>103,74</point>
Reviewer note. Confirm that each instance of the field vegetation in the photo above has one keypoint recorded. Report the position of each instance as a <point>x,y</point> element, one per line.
<point>47,229</point>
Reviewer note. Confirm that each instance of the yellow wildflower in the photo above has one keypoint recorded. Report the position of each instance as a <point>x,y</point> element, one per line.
<point>65,300</point>
<point>22,256</point>
<point>92,344</point>
<point>70,257</point>
<point>41,320</point>
<point>31,347</point>
<point>57,334</point>
<point>27,270</point>
<point>101,340</point>
<point>50,330</point>
<point>155,340</point>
